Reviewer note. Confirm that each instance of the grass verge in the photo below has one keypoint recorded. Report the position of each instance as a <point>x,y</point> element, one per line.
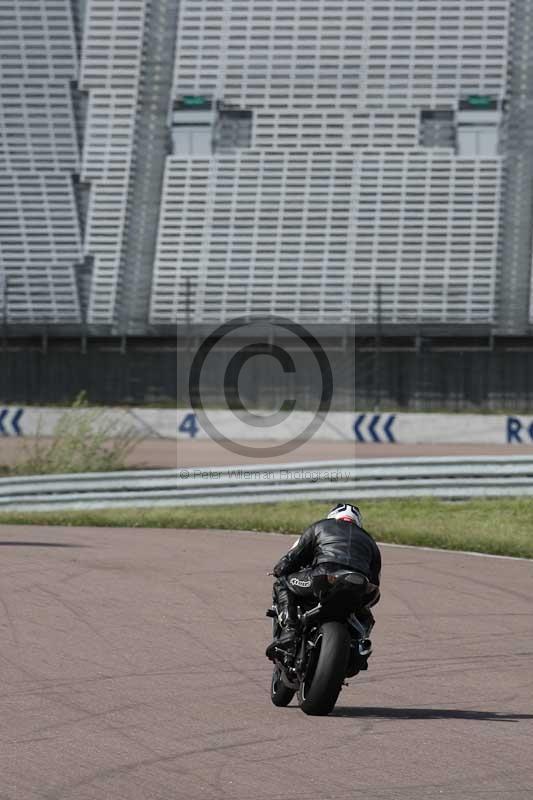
<point>500,526</point>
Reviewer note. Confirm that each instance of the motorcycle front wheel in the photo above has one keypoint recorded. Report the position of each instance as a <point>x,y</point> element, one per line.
<point>325,671</point>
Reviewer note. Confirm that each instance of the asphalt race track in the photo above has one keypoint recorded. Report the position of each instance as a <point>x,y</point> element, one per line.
<point>132,668</point>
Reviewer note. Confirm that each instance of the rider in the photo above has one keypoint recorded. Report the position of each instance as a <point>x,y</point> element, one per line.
<point>338,542</point>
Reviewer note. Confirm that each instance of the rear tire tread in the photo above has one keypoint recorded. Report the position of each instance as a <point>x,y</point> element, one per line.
<point>330,671</point>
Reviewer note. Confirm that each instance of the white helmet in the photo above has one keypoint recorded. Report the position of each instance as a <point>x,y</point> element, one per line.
<point>347,513</point>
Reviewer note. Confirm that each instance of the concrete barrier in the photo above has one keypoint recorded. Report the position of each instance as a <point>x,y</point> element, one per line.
<point>373,427</point>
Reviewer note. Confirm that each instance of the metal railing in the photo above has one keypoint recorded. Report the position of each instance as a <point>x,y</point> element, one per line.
<point>449,477</point>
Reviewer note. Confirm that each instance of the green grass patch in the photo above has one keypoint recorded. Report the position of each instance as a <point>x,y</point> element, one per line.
<point>499,526</point>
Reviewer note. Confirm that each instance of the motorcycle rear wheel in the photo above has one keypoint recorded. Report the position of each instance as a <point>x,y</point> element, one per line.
<point>325,673</point>
<point>280,694</point>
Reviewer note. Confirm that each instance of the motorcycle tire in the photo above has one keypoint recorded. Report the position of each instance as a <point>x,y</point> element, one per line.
<point>326,670</point>
<point>280,694</point>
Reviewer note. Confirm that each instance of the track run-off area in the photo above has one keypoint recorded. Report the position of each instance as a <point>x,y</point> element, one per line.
<point>172,454</point>
<point>132,667</point>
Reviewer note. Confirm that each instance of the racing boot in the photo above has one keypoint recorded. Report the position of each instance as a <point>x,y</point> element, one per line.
<point>364,643</point>
<point>289,621</point>
<point>366,618</point>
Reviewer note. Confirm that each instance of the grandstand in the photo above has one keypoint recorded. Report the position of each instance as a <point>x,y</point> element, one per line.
<point>40,239</point>
<point>299,158</point>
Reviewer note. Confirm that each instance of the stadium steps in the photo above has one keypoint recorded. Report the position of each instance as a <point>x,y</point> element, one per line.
<point>515,307</point>
<point>151,146</point>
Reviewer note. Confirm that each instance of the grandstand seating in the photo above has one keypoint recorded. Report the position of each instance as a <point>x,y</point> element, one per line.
<point>37,41</point>
<point>334,155</point>
<point>39,225</point>
<point>306,54</point>
<point>40,246</point>
<point>104,241</point>
<point>313,233</point>
<point>112,44</point>
<point>336,129</point>
<point>359,174</point>
<point>108,135</point>
<point>37,131</point>
<point>110,72</point>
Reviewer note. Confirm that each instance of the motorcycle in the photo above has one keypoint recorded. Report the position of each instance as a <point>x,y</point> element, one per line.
<point>332,643</point>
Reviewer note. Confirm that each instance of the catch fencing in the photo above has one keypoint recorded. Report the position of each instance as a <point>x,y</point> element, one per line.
<point>470,376</point>
<point>449,477</point>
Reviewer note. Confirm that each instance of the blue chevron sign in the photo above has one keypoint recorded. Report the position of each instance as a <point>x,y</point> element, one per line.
<point>374,428</point>
<point>13,422</point>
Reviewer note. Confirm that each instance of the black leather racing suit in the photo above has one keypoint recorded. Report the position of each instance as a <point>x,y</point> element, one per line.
<point>326,546</point>
<point>331,541</point>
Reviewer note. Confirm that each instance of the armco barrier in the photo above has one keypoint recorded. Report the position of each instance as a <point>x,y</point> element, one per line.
<point>449,477</point>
